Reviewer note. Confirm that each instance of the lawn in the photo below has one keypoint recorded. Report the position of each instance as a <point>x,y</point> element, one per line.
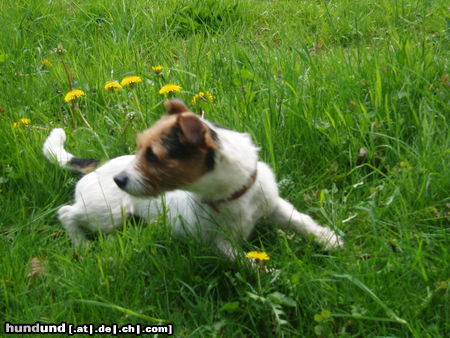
<point>349,103</point>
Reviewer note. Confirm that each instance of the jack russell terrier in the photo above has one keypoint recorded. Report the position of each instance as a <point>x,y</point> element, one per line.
<point>206,178</point>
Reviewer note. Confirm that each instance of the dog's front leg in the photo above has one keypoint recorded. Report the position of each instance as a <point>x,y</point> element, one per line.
<point>68,218</point>
<point>288,217</point>
<point>225,247</point>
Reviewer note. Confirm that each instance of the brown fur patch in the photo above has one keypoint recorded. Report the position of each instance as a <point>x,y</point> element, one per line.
<point>174,152</point>
<point>175,106</point>
<point>84,165</point>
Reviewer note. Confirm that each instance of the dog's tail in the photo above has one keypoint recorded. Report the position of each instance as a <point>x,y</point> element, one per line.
<point>54,151</point>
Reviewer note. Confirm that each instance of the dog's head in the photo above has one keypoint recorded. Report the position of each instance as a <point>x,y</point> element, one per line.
<point>174,153</point>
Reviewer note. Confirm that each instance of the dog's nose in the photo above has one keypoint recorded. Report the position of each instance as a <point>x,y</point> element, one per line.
<point>121,180</point>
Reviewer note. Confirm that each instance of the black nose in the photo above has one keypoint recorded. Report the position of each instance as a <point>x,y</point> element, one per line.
<point>121,180</point>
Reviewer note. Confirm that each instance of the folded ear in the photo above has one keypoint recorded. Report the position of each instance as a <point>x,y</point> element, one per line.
<point>175,106</point>
<point>194,131</point>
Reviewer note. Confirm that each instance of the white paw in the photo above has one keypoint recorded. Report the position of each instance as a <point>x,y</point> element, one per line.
<point>330,240</point>
<point>79,242</point>
<point>63,211</point>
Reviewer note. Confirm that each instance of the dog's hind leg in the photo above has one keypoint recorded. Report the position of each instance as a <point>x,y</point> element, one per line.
<point>288,217</point>
<point>68,217</point>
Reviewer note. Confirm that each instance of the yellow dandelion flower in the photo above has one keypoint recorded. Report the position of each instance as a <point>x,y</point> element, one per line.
<point>157,69</point>
<point>112,86</point>
<point>202,96</point>
<point>73,95</point>
<point>25,120</point>
<point>170,88</point>
<point>46,63</point>
<point>130,80</point>
<point>261,256</point>
<point>22,122</point>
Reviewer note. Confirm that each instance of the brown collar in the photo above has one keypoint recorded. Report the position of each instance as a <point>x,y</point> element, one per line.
<point>215,204</point>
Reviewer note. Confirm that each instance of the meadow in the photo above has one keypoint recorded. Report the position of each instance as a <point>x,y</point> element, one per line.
<point>349,103</point>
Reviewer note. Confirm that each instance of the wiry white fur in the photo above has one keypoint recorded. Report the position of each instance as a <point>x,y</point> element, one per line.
<point>101,206</point>
<point>235,161</point>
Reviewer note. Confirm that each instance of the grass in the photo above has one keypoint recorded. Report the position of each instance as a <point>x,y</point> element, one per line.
<point>314,82</point>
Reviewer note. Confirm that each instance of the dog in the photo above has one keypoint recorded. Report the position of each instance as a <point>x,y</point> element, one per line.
<point>207,178</point>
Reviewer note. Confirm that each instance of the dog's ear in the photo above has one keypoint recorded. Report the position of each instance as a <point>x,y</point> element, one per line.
<point>175,106</point>
<point>194,131</point>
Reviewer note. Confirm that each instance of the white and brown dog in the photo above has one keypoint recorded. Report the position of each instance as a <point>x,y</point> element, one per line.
<point>206,178</point>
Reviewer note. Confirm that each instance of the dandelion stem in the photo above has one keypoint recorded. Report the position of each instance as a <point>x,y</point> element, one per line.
<point>72,113</point>
<point>85,121</point>
<point>124,129</point>
<point>138,104</point>
<point>69,82</point>
<point>83,118</point>
<point>259,277</point>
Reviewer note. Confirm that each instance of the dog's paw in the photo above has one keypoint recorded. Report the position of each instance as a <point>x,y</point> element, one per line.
<point>330,240</point>
<point>81,243</point>
<point>63,211</point>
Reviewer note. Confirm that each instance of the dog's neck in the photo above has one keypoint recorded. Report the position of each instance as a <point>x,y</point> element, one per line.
<point>235,165</point>
<point>216,204</point>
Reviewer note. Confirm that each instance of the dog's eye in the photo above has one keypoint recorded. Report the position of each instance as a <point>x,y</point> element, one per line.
<point>150,156</point>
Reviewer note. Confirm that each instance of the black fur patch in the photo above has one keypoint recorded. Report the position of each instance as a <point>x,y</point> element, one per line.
<point>84,164</point>
<point>150,155</point>
<point>175,148</point>
<point>178,150</point>
<point>214,135</point>
<point>211,156</point>
<point>210,159</point>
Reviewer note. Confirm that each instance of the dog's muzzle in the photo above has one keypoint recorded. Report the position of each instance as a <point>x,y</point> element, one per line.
<point>121,180</point>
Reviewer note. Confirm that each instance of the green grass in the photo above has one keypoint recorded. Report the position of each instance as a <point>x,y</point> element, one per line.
<point>313,82</point>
